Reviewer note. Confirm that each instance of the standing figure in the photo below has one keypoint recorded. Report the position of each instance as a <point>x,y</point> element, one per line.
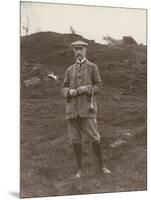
<point>82,82</point>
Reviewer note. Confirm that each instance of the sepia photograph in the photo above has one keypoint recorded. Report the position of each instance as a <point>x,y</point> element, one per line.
<point>83,99</point>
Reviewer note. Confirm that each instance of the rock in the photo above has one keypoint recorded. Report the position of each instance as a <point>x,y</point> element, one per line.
<point>117,143</point>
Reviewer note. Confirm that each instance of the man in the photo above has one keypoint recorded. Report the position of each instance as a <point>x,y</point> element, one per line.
<point>82,82</point>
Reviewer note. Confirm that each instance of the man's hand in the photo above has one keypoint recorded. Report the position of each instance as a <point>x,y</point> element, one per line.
<point>72,92</point>
<point>81,90</point>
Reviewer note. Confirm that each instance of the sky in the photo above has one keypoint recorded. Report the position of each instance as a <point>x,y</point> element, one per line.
<point>92,22</point>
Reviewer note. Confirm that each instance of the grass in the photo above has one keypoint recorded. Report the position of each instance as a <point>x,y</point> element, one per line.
<point>47,160</point>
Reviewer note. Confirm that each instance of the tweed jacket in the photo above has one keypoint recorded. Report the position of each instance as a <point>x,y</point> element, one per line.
<point>85,75</point>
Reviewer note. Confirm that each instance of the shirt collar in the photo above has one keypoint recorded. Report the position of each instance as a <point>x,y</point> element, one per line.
<point>82,61</point>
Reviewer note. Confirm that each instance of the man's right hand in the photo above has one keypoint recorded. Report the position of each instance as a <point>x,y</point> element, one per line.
<point>72,93</point>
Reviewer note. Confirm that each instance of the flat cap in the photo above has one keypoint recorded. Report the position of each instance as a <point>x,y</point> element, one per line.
<point>79,43</point>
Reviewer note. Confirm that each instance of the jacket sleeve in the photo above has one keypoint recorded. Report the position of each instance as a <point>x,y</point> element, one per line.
<point>65,85</point>
<point>96,80</point>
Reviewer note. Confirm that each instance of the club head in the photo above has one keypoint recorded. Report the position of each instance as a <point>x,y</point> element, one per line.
<point>91,108</point>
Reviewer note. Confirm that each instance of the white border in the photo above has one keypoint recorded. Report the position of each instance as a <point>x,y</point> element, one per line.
<point>9,99</point>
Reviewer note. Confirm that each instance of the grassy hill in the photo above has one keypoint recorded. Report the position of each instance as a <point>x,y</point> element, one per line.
<point>47,161</point>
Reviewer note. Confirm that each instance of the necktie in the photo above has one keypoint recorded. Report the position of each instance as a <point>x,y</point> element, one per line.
<point>80,65</point>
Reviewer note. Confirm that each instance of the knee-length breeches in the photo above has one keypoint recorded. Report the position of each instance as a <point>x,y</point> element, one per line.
<point>78,126</point>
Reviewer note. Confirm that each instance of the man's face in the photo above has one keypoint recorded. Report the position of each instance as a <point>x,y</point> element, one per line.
<point>79,52</point>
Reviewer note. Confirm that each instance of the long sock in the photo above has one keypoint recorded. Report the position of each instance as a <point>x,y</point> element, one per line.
<point>98,153</point>
<point>78,153</point>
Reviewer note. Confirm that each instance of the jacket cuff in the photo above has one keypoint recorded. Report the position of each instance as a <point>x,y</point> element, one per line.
<point>96,89</point>
<point>89,89</point>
